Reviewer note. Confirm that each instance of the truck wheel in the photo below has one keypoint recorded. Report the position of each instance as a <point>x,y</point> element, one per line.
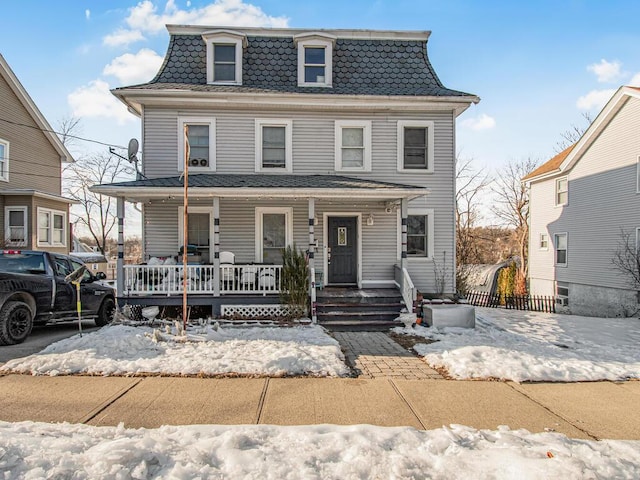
<point>16,322</point>
<point>105,314</point>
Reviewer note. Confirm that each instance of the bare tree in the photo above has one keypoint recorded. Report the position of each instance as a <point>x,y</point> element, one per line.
<point>68,128</point>
<point>512,208</point>
<point>573,134</point>
<point>98,212</point>
<point>470,184</point>
<point>627,258</point>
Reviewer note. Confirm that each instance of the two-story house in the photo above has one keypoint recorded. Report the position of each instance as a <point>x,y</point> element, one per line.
<point>585,204</point>
<point>342,141</point>
<point>33,213</point>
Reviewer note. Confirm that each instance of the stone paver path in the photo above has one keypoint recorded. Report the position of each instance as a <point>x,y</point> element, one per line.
<point>375,355</point>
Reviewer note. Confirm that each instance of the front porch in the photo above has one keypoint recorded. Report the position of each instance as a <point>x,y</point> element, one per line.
<point>353,232</point>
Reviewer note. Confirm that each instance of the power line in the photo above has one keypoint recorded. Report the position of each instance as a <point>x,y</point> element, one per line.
<point>63,134</point>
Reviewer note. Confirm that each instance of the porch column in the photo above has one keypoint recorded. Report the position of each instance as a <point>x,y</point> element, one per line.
<point>216,246</point>
<point>120,260</point>
<point>404,208</point>
<point>312,262</point>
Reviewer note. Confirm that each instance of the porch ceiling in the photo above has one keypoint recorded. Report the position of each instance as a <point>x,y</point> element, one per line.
<point>258,186</point>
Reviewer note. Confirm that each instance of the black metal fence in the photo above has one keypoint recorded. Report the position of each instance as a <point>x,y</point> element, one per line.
<point>513,302</point>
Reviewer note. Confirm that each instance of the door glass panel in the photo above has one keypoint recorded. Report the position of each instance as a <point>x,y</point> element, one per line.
<point>198,227</point>
<point>274,236</point>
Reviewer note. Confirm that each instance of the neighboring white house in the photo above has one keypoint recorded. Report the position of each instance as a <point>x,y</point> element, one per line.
<point>336,140</point>
<point>583,201</point>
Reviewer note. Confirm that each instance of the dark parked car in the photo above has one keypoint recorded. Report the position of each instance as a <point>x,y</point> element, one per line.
<point>37,288</point>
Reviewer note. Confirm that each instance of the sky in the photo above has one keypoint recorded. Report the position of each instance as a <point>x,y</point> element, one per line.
<point>537,66</point>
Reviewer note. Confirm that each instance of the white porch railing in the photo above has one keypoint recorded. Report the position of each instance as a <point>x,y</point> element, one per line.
<point>406,286</point>
<point>234,279</point>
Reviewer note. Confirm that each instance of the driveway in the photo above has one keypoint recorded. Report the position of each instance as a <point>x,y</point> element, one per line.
<point>42,337</point>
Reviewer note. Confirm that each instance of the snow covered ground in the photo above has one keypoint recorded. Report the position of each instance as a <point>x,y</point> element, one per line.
<point>205,350</point>
<point>533,346</point>
<point>39,450</point>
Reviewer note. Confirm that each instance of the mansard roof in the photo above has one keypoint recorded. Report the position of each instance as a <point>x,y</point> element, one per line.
<point>387,64</point>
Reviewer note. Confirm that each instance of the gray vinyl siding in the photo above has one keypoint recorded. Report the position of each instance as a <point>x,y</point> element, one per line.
<point>33,162</point>
<point>602,200</point>
<point>313,135</point>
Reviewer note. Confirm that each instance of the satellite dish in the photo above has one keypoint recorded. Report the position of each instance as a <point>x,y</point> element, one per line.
<point>133,150</point>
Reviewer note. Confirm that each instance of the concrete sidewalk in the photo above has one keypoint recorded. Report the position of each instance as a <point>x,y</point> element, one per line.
<point>581,410</point>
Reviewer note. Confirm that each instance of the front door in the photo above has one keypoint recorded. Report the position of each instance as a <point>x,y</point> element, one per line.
<point>342,253</point>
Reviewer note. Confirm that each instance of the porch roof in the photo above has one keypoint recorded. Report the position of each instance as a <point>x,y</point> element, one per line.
<point>260,185</point>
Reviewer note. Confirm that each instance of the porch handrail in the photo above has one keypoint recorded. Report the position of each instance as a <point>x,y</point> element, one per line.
<point>406,286</point>
<point>234,279</point>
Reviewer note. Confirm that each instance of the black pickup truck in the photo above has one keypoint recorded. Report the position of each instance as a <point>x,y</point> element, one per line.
<point>36,288</point>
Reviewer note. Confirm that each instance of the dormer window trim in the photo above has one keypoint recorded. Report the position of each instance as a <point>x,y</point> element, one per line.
<point>215,38</point>
<point>315,40</point>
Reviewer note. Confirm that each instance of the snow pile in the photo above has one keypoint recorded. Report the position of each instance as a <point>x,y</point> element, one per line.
<point>39,450</point>
<point>532,346</point>
<point>204,350</point>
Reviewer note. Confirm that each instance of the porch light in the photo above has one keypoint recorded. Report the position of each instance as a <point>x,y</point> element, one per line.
<point>315,219</point>
<point>370,219</point>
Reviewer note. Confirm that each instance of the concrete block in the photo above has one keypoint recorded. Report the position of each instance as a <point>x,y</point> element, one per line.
<point>449,315</point>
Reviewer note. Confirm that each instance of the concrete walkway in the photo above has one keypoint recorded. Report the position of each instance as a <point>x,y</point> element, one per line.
<point>581,410</point>
<point>375,355</point>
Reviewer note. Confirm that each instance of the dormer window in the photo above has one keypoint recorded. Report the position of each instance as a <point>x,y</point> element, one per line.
<point>224,56</point>
<point>315,59</point>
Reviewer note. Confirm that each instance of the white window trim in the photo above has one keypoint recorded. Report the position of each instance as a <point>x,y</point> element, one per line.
<point>430,213</point>
<point>224,37</point>
<point>208,210</point>
<point>7,234</point>
<point>319,41</point>
<point>638,175</point>
<point>212,142</point>
<point>540,247</point>
<point>65,231</point>
<point>555,249</point>
<point>558,180</point>
<point>274,122</point>
<point>366,139</point>
<point>429,125</point>
<point>5,177</point>
<point>260,211</point>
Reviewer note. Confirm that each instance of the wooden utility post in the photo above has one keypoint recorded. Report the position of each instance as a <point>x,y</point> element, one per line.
<point>185,232</point>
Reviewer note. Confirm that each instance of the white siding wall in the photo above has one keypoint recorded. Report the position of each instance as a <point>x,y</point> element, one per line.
<point>602,201</point>
<point>313,153</point>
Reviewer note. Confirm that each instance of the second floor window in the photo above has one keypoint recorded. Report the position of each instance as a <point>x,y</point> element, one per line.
<point>200,132</point>
<point>562,191</point>
<point>4,160</point>
<point>198,136</point>
<point>273,145</point>
<point>353,145</point>
<point>561,248</point>
<point>415,146</point>
<point>224,63</point>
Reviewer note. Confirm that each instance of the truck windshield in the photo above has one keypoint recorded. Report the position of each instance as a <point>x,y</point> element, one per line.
<point>22,262</point>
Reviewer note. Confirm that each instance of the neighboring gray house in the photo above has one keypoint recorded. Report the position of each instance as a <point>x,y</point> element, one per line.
<point>332,139</point>
<point>581,201</point>
<point>33,213</point>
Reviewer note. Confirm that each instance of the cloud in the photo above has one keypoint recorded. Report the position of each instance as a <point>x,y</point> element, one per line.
<point>606,71</point>
<point>595,99</point>
<point>133,68</point>
<point>635,80</point>
<point>482,122</point>
<point>87,14</point>
<point>144,17</point>
<point>122,37</point>
<point>95,100</point>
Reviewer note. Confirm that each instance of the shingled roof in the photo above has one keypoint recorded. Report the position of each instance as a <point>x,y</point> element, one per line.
<point>264,181</point>
<point>389,67</point>
<point>551,165</point>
